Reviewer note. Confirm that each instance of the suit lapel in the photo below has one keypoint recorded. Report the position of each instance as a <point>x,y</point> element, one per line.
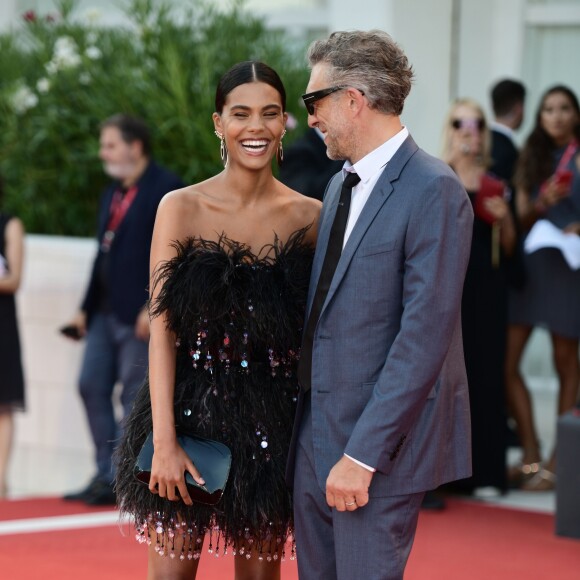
<point>331,204</point>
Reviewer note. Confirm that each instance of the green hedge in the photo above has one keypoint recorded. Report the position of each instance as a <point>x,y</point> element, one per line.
<point>60,77</point>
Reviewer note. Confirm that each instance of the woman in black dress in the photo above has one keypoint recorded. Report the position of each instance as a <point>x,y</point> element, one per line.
<point>485,293</point>
<point>230,263</point>
<point>547,181</point>
<point>11,376</point>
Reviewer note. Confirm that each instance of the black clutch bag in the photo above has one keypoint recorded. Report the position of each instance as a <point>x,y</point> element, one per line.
<point>212,459</point>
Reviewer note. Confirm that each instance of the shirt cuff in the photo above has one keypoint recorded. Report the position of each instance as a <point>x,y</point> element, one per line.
<point>367,467</point>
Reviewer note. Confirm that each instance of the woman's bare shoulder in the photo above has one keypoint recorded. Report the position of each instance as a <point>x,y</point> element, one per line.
<point>307,207</point>
<point>184,202</point>
<point>301,212</point>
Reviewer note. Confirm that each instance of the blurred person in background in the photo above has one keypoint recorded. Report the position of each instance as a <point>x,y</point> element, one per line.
<point>11,375</point>
<point>113,316</point>
<point>507,99</point>
<point>547,182</point>
<point>484,305</point>
<point>307,168</point>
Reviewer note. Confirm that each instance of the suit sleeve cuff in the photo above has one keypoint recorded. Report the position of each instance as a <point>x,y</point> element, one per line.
<point>367,467</point>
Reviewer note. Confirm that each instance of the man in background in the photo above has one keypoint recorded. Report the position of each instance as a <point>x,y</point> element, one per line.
<point>507,99</point>
<point>113,316</point>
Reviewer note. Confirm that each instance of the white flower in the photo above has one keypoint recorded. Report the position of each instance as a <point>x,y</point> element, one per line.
<point>92,37</point>
<point>43,85</point>
<point>23,99</point>
<point>65,53</point>
<point>85,78</point>
<point>93,52</point>
<point>93,15</point>
<point>51,67</point>
<point>64,46</point>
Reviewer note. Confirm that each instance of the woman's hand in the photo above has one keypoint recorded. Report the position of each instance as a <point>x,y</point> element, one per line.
<point>498,208</point>
<point>142,325</point>
<point>170,462</point>
<point>553,192</point>
<point>573,228</point>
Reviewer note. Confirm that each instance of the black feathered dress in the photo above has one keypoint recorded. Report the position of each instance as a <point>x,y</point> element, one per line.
<point>238,319</point>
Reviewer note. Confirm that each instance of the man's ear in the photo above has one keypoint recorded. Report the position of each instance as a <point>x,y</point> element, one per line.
<point>137,149</point>
<point>356,99</point>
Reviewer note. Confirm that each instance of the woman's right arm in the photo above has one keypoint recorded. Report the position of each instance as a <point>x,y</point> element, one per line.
<point>169,460</point>
<point>14,235</point>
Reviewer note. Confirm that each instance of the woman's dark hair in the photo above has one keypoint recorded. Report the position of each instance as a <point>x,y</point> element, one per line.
<point>536,161</point>
<point>250,71</point>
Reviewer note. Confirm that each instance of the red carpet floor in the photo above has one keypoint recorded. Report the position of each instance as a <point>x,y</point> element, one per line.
<point>468,541</point>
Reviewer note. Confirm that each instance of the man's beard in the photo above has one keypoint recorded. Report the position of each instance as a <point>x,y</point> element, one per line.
<point>338,148</point>
<point>119,171</point>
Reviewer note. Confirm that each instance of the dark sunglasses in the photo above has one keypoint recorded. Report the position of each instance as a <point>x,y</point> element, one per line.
<point>478,124</point>
<point>311,98</point>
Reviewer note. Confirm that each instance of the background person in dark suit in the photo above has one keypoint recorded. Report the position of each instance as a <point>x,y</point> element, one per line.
<point>113,315</point>
<point>306,167</point>
<point>383,410</point>
<point>507,99</point>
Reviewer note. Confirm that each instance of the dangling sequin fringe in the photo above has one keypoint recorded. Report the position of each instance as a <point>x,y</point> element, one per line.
<point>190,541</point>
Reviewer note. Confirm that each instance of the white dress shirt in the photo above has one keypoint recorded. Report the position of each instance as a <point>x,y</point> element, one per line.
<point>369,169</point>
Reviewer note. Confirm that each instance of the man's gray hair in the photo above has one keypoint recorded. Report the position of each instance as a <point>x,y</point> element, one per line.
<point>369,61</point>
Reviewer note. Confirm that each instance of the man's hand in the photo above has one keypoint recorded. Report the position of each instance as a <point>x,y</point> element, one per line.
<point>347,486</point>
<point>142,325</point>
<point>80,323</point>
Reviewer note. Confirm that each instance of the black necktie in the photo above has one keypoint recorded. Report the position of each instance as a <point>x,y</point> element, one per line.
<point>333,252</point>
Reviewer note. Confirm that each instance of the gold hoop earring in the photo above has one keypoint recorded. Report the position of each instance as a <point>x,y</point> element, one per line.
<point>223,148</point>
<point>280,151</point>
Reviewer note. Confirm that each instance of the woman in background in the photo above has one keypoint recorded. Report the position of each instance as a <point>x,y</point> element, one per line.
<point>485,296</point>
<point>547,181</point>
<point>11,375</point>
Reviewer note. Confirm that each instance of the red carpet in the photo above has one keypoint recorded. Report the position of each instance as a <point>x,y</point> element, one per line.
<point>468,541</point>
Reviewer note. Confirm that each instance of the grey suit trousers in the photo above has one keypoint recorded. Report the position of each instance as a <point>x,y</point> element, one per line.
<point>378,536</point>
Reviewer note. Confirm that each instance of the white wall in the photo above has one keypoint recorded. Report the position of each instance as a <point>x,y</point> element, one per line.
<point>53,450</point>
<point>432,62</point>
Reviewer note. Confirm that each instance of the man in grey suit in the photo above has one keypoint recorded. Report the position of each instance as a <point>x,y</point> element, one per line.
<point>383,412</point>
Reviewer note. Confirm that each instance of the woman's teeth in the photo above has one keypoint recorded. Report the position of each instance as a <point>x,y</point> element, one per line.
<point>255,145</point>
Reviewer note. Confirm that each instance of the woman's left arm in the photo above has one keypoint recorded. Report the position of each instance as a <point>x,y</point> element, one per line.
<point>14,234</point>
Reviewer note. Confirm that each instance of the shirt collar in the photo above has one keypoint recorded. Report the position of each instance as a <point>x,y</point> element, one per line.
<point>373,162</point>
<point>503,129</point>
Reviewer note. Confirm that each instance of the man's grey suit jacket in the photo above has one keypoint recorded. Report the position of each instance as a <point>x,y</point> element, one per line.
<point>389,386</point>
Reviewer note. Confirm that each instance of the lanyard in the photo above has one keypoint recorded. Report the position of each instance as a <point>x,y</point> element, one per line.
<point>119,207</point>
